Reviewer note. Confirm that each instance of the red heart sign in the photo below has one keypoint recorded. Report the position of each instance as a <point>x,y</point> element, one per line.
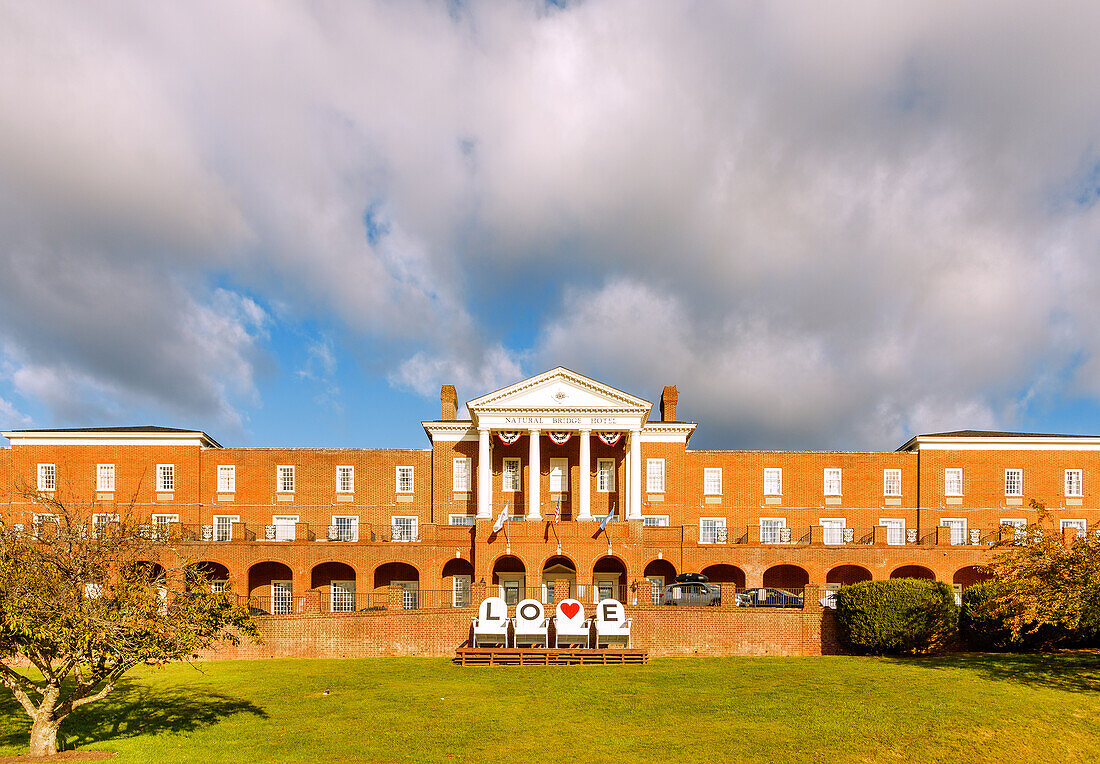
<point>570,609</point>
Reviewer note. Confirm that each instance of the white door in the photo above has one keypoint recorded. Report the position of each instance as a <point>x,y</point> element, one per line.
<point>460,592</point>
<point>895,531</point>
<point>1078,524</point>
<point>410,597</point>
<point>559,471</point>
<point>284,527</point>
<point>832,531</point>
<point>657,583</point>
<point>958,530</point>
<point>282,600</point>
<point>343,597</point>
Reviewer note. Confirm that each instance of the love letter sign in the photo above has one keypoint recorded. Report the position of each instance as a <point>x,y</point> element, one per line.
<point>492,609</point>
<point>570,610</point>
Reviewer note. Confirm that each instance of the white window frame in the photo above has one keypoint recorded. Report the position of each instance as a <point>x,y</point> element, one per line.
<point>397,477</point>
<point>105,478</point>
<point>559,475</point>
<point>1080,523</point>
<point>605,475</point>
<point>410,594</point>
<point>402,534</point>
<point>950,475</point>
<point>831,481</point>
<point>1072,490</point>
<point>712,481</point>
<point>461,469</point>
<point>161,523</point>
<point>1019,526</point>
<point>655,475</point>
<point>341,596</point>
<point>354,527</point>
<point>282,472</point>
<point>773,475</point>
<point>345,478</point>
<point>890,477</point>
<point>102,519</point>
<point>227,478</point>
<point>282,592</point>
<point>228,536</point>
<point>462,520</point>
<point>166,478</point>
<point>765,539</point>
<point>47,476</point>
<point>461,586</point>
<point>38,519</point>
<point>709,534</point>
<point>654,521</point>
<point>1018,474</point>
<point>831,533</point>
<point>893,524</point>
<point>944,524</point>
<point>280,521</point>
<point>511,471</point>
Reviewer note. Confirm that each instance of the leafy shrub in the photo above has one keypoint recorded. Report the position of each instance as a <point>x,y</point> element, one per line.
<point>982,628</point>
<point>899,616</point>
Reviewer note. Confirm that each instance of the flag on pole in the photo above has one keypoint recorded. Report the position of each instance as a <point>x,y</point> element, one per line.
<point>557,512</point>
<point>609,518</point>
<point>500,520</point>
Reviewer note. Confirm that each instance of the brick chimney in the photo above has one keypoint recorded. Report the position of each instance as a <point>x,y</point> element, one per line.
<point>668,404</point>
<point>449,400</point>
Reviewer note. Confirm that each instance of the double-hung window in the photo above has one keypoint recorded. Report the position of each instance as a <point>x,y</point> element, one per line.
<point>1073,483</point>
<point>1078,525</point>
<point>345,479</point>
<point>404,479</point>
<point>712,530</point>
<point>461,520</point>
<point>161,524</point>
<point>605,475</point>
<point>347,527</point>
<point>559,476</point>
<point>101,523</point>
<point>47,477</point>
<point>223,526</point>
<point>403,528</point>
<point>285,481</point>
<point>773,481</point>
<point>105,477</point>
<point>1014,482</point>
<point>891,482</point>
<point>953,481</point>
<point>654,521</point>
<point>832,481</point>
<point>958,530</point>
<point>509,476</point>
<point>227,478</point>
<point>712,481</point>
<point>832,530</point>
<point>771,529</point>
<point>166,477</point>
<point>655,475</point>
<point>460,474</point>
<point>895,530</point>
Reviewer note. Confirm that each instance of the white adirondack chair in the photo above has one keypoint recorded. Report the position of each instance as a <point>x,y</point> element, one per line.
<point>612,625</point>
<point>570,626</point>
<point>491,623</point>
<point>531,624</point>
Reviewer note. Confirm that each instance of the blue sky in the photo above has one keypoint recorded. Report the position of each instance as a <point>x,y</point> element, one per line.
<point>289,225</point>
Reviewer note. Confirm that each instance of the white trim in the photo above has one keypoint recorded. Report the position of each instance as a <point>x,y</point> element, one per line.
<point>783,525</point>
<point>293,526</point>
<point>344,591</point>
<point>232,519</point>
<point>397,479</point>
<point>355,525</point>
<point>231,471</point>
<point>69,438</point>
<point>779,474</point>
<point>282,585</point>
<point>838,489</point>
<point>943,524</point>
<point>1080,482</point>
<point>415,532</point>
<point>655,517</point>
<point>160,478</point>
<point>100,484</point>
<point>350,468</point>
<point>279,478</point>
<point>651,478</point>
<point>610,488</point>
<point>1081,531</point>
<point>560,480</point>
<point>891,470</point>
<point>463,517</point>
<point>1020,488</point>
<point>824,528</point>
<point>46,475</point>
<point>712,470</point>
<point>885,522</point>
<point>462,474</point>
<point>1074,443</point>
<point>961,489</point>
<point>516,477</point>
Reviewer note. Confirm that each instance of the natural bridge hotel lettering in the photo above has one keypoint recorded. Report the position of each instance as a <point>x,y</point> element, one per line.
<point>565,421</point>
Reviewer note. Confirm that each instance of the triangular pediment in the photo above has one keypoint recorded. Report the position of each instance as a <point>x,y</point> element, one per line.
<point>559,390</point>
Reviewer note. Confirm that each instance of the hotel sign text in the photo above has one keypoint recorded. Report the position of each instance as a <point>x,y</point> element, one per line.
<point>562,421</point>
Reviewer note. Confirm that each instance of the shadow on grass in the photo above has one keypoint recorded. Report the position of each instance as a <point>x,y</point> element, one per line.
<point>129,711</point>
<point>1066,671</point>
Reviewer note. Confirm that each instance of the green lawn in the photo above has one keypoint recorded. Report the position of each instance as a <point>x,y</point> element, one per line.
<point>978,708</point>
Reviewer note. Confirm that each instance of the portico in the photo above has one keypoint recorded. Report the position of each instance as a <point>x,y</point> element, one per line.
<point>553,408</point>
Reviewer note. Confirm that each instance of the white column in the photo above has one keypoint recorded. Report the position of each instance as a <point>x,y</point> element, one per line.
<point>584,495</point>
<point>635,512</point>
<point>484,475</point>
<point>626,478</point>
<point>534,485</point>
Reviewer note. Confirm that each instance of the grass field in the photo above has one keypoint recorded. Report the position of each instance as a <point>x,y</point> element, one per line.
<point>968,708</point>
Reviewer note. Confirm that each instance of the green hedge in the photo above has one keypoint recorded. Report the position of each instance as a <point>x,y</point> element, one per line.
<point>899,616</point>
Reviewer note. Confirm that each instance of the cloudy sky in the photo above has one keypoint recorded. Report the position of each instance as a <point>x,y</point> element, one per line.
<point>831,225</point>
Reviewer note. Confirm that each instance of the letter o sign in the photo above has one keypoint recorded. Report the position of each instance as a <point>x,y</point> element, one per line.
<point>529,611</point>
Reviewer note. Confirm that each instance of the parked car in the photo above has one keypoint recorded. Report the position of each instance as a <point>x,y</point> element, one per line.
<point>691,593</point>
<point>768,597</point>
<point>691,578</point>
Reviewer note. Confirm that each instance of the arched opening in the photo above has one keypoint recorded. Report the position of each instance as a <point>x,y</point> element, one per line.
<point>846,575</point>
<point>725,574</point>
<point>966,577</point>
<point>458,577</point>
<point>660,574</point>
<point>914,571</point>
<point>270,589</point>
<point>336,582</point>
<point>787,577</point>
<point>559,579</point>
<point>205,573</point>
<point>609,579</point>
<point>510,576</point>
<point>400,574</point>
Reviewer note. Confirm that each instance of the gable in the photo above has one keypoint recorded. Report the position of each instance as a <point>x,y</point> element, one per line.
<point>560,390</point>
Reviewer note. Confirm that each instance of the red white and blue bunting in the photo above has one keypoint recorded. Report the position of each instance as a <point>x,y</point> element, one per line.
<point>508,437</point>
<point>610,438</point>
<point>559,438</point>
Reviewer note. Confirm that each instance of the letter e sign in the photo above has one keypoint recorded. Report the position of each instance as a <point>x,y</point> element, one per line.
<point>611,611</point>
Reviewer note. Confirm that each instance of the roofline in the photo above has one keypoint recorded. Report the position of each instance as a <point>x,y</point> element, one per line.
<point>108,434</point>
<point>1021,442</point>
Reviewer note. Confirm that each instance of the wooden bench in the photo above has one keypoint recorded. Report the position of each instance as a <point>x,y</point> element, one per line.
<point>535,656</point>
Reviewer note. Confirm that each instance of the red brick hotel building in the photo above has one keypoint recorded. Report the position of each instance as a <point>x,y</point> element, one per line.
<point>330,530</point>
